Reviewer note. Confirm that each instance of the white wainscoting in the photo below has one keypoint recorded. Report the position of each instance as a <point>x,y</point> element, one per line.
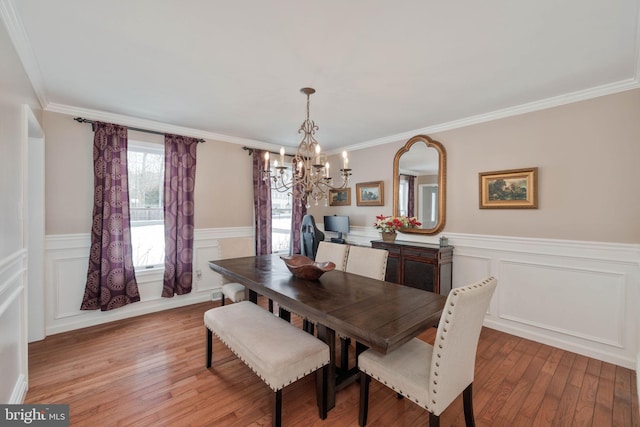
<point>579,296</point>
<point>13,329</point>
<point>66,261</point>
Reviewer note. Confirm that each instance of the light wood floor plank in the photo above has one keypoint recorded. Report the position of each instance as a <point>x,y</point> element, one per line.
<point>150,371</point>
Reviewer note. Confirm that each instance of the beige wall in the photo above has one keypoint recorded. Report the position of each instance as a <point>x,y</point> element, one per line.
<point>427,179</point>
<point>588,155</point>
<point>224,195</point>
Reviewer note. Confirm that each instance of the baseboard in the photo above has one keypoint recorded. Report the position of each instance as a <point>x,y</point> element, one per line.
<point>561,343</point>
<point>19,391</point>
<point>638,377</point>
<point>132,310</point>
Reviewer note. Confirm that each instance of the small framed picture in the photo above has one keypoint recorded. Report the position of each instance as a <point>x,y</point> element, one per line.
<point>509,189</point>
<point>370,193</point>
<point>340,197</point>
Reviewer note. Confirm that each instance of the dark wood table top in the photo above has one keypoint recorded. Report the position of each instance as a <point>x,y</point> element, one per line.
<point>381,315</point>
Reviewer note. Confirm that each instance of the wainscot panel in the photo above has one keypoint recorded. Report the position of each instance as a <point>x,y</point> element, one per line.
<point>66,261</point>
<point>578,296</point>
<point>13,329</point>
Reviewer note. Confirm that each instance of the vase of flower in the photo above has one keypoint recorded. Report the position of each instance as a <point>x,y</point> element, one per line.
<point>390,225</point>
<point>388,236</point>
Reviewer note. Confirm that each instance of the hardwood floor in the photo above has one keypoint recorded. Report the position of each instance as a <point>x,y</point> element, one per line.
<point>150,371</point>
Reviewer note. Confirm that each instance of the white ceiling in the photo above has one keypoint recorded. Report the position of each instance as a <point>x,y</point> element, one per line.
<point>382,70</point>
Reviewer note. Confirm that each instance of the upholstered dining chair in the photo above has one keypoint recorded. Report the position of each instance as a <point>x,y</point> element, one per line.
<point>236,293</point>
<point>329,252</point>
<point>369,262</point>
<point>433,376</point>
<point>335,252</point>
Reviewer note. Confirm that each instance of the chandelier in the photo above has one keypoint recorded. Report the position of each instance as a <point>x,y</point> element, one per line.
<point>308,178</point>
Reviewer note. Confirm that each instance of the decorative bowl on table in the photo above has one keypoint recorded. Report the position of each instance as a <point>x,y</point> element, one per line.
<point>306,268</point>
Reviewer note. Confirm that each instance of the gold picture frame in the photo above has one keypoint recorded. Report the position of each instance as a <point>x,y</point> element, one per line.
<point>509,189</point>
<point>340,197</point>
<point>370,193</point>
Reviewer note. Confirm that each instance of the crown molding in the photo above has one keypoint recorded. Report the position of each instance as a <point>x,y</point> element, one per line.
<point>543,104</point>
<point>9,15</point>
<point>130,121</point>
<point>15,29</point>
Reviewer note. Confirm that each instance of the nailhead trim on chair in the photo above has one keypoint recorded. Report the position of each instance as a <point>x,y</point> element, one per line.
<point>438,355</point>
<point>444,329</point>
<point>273,387</point>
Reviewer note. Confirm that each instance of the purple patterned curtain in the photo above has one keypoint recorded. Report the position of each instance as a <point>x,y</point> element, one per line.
<point>262,205</point>
<point>111,279</point>
<point>411,203</point>
<point>298,210</point>
<point>179,183</point>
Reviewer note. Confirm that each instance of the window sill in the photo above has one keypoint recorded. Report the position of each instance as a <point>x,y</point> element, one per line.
<point>144,272</point>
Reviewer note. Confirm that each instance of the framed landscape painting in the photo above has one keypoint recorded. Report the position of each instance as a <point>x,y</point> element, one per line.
<point>370,193</point>
<point>340,197</point>
<point>509,189</point>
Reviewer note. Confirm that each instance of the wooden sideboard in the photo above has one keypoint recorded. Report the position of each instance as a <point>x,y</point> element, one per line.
<point>419,265</point>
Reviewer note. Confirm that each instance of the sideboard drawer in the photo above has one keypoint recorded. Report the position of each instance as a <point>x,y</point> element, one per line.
<point>420,253</point>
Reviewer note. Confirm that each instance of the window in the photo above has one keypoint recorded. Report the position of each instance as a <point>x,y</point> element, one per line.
<point>403,196</point>
<point>280,222</point>
<point>145,165</point>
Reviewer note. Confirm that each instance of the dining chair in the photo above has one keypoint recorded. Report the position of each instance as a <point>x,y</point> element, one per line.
<point>236,293</point>
<point>366,261</point>
<point>335,252</point>
<point>433,376</point>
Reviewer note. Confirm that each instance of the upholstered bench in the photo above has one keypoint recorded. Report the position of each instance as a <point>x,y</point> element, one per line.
<point>278,352</point>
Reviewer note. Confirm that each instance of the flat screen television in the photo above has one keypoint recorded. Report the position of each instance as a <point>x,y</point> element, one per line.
<point>338,224</point>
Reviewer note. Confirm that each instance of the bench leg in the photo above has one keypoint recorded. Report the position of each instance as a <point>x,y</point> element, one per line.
<point>209,347</point>
<point>322,388</point>
<point>277,408</point>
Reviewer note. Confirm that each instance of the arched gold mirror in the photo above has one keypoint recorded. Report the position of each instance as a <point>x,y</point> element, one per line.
<point>419,183</point>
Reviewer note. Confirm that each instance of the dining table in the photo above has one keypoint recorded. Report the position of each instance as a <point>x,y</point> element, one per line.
<point>375,314</point>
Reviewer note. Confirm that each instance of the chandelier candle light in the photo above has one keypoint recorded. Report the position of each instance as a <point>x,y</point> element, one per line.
<point>309,168</point>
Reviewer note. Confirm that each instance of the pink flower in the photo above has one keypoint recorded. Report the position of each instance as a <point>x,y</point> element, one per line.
<point>393,224</point>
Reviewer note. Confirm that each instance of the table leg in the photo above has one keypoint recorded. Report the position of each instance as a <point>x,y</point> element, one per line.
<point>328,336</point>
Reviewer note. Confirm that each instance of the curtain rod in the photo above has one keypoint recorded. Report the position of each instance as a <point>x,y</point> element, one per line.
<point>251,150</point>
<point>81,120</point>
